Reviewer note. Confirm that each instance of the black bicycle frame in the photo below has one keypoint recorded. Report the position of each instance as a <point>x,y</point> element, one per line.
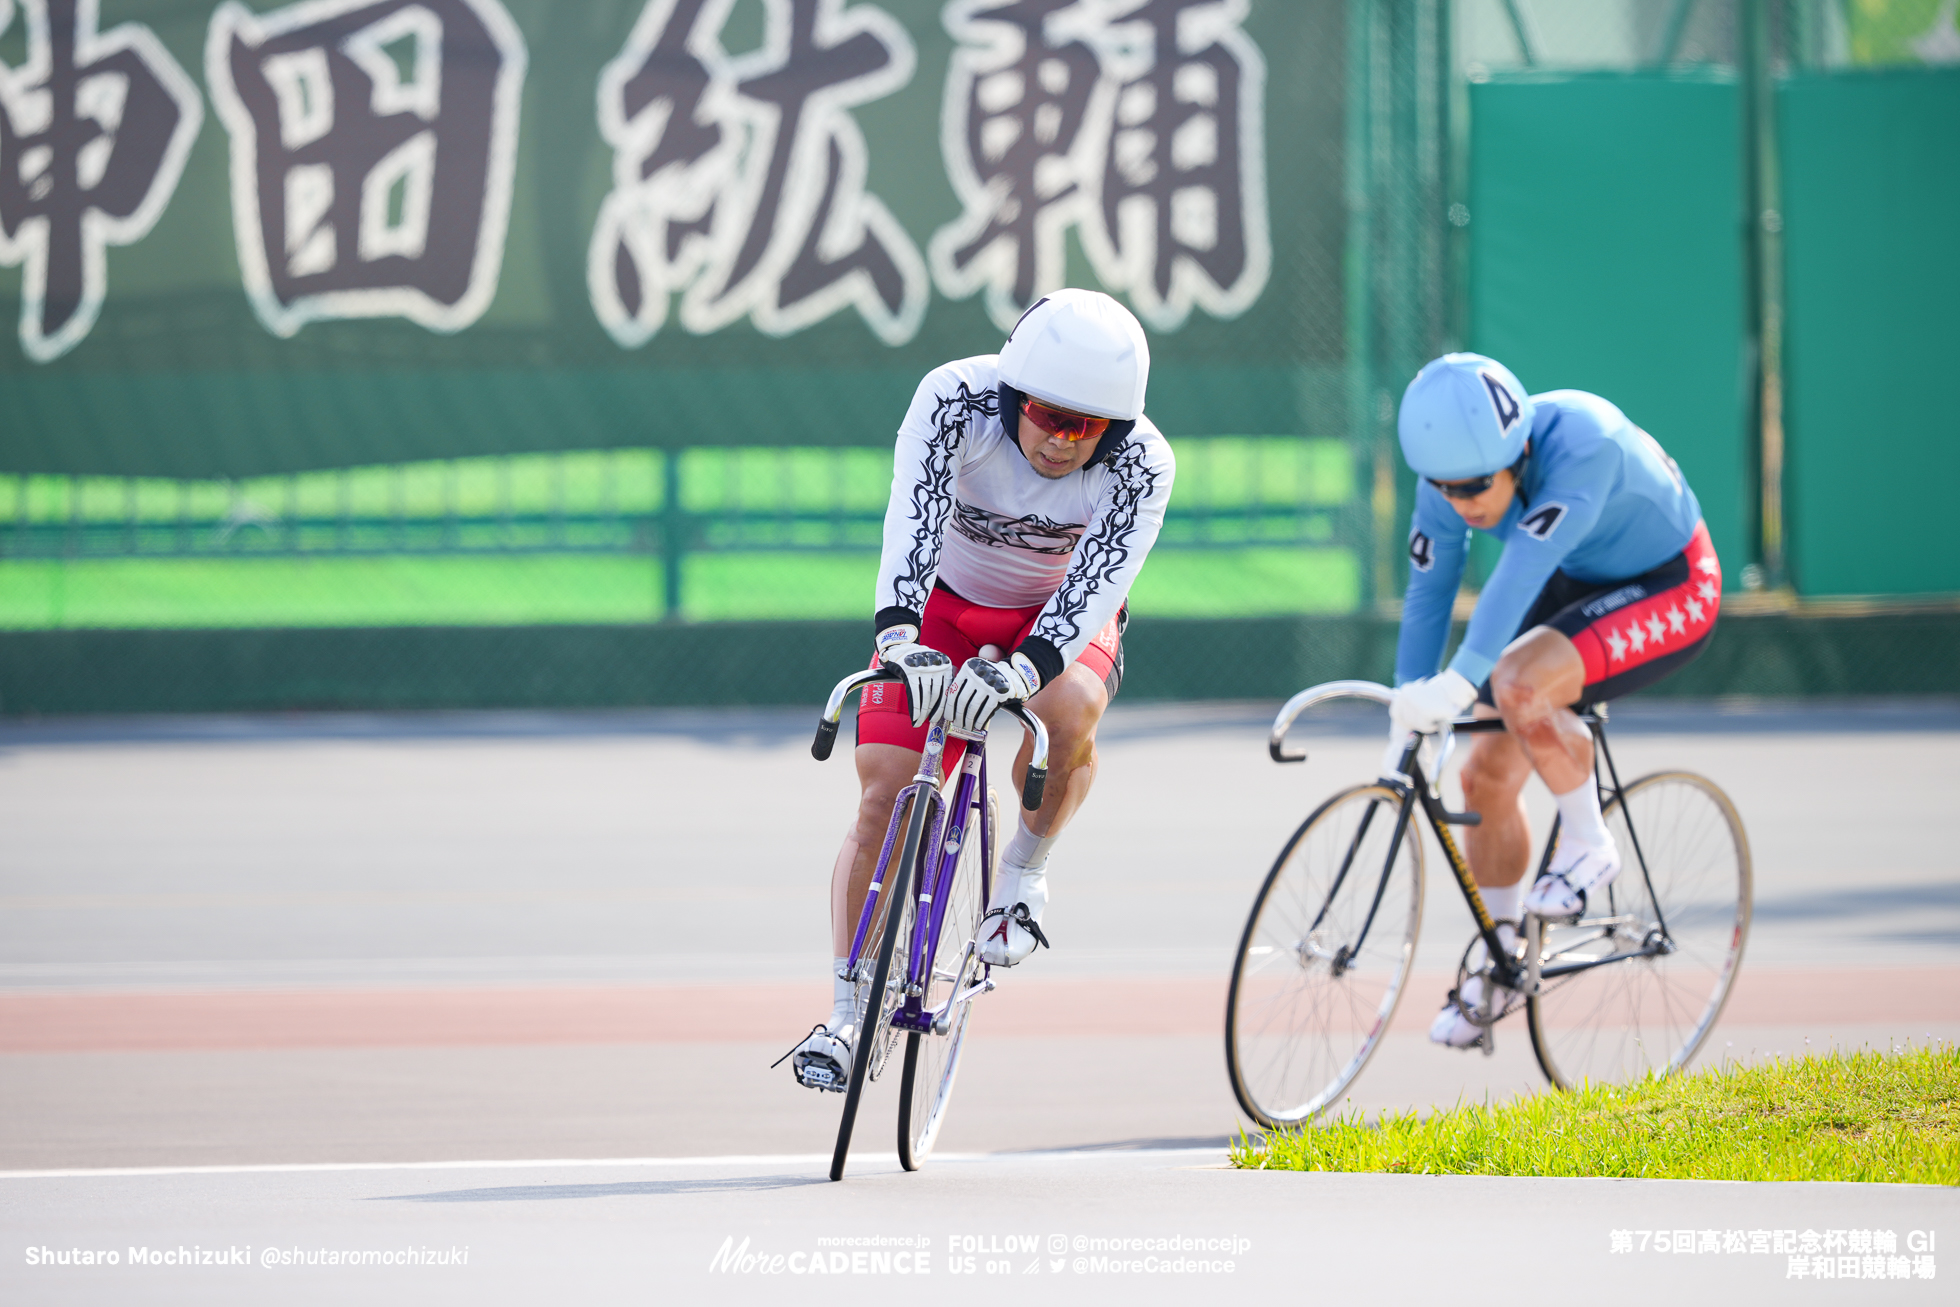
<point>1416,791</point>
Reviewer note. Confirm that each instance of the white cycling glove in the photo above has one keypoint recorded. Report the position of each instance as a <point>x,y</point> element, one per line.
<point>982,687</point>
<point>927,672</point>
<point>1425,706</point>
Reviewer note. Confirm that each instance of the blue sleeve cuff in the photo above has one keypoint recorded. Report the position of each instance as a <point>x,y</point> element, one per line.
<point>1472,667</point>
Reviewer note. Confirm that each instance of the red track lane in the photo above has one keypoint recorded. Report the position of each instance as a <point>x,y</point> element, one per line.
<point>650,1014</point>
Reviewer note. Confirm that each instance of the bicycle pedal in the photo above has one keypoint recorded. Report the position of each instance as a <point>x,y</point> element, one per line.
<point>820,1075</point>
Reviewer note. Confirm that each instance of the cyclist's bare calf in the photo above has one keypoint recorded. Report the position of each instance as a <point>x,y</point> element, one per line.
<point>1070,707</point>
<point>1494,772</point>
<point>1538,677</point>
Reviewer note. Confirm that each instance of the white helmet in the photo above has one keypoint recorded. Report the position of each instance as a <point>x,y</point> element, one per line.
<point>1081,350</point>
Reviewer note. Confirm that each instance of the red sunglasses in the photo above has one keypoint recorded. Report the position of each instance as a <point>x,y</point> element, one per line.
<point>1062,423</point>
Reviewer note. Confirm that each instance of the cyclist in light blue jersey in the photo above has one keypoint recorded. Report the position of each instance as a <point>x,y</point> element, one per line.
<point>1607,583</point>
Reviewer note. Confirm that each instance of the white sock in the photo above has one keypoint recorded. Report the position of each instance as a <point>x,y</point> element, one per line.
<point>1506,902</point>
<point>843,996</point>
<point>1579,817</point>
<point>1014,884</point>
<point>1026,849</point>
<point>1023,874</point>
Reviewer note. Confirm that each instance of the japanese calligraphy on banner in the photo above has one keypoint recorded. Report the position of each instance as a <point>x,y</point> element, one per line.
<point>478,196</point>
<point>739,183</point>
<point>94,130</point>
<point>1139,126</point>
<point>366,183</point>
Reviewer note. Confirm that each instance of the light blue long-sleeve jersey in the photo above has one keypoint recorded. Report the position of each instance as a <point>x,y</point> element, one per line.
<point>1599,498</point>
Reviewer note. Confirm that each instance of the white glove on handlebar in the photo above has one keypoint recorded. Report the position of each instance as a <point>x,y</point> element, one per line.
<point>982,687</point>
<point>1425,706</point>
<point>927,672</point>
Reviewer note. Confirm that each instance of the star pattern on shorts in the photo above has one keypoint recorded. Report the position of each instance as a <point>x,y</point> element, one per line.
<point>1710,591</point>
<point>1696,613</point>
<point>1636,637</point>
<point>1657,628</point>
<point>1618,645</point>
<point>1709,566</point>
<point>1676,622</point>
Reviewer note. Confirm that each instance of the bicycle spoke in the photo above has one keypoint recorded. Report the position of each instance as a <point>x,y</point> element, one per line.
<point>1620,1019</point>
<point>932,1059</point>
<point>1298,1032</point>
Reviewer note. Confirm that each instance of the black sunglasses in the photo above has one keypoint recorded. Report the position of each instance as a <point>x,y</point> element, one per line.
<point>1465,489</point>
<point>1477,485</point>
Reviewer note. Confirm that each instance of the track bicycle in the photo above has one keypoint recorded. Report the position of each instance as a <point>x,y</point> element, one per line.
<point>1632,987</point>
<point>916,984</point>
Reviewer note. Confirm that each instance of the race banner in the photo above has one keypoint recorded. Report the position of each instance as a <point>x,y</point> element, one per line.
<point>246,238</point>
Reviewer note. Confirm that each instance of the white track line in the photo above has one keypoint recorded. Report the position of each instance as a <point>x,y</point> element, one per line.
<point>533,1163</point>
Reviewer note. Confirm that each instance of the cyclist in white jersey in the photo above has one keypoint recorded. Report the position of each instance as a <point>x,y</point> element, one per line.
<point>1027,490</point>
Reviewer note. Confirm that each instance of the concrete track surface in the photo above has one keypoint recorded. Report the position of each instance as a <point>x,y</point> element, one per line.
<point>484,944</point>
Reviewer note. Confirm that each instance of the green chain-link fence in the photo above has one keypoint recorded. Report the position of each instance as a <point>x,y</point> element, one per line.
<point>211,460</point>
<point>211,454</point>
<point>1260,524</point>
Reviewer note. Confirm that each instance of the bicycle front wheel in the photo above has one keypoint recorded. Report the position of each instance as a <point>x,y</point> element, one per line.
<point>932,1061</point>
<point>1636,985</point>
<point>881,990</point>
<point>1324,958</point>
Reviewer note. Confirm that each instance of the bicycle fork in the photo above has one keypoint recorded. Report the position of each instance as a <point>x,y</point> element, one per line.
<point>923,789</point>
<point>934,891</point>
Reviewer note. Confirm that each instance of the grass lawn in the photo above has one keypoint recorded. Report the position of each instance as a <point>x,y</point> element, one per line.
<point>1891,1118</point>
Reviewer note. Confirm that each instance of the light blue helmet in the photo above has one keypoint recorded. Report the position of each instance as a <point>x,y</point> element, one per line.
<point>1463,416</point>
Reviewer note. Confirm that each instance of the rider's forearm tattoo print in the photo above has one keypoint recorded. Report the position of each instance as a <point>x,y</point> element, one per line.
<point>932,492</point>
<point>1111,552</point>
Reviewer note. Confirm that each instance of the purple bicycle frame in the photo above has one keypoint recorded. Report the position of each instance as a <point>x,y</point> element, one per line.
<point>943,856</point>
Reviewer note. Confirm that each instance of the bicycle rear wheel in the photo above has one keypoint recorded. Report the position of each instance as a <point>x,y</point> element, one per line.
<point>1312,995</point>
<point>880,994</point>
<point>932,1062</point>
<point>1682,926</point>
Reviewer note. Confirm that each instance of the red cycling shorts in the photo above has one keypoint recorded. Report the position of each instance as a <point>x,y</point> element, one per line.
<point>1632,633</point>
<point>958,629</point>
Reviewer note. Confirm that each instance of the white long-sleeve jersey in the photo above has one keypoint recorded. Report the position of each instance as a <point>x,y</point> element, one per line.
<point>968,510</point>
